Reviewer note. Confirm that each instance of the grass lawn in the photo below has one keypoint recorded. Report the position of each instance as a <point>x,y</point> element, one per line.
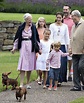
<point>79,100</point>
<point>9,62</point>
<point>19,17</point>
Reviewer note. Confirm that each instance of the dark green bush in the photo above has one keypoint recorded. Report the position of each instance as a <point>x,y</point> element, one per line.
<point>37,8</point>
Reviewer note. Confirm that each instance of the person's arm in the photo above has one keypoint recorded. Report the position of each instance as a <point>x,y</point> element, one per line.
<point>15,46</point>
<point>64,54</point>
<point>48,60</point>
<point>67,37</point>
<point>51,35</point>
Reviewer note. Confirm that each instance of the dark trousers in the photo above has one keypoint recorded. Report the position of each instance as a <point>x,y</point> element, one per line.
<point>78,70</point>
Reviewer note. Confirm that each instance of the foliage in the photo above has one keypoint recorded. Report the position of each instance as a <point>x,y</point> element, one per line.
<point>39,6</point>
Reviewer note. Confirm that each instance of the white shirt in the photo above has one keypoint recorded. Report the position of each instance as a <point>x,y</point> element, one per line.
<point>59,33</point>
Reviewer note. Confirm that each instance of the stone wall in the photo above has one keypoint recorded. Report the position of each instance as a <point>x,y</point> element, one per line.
<point>7,34</point>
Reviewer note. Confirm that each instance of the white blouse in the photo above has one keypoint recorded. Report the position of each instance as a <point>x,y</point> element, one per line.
<point>59,33</point>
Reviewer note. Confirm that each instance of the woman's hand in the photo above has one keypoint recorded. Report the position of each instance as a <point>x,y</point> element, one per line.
<point>70,52</point>
<point>40,52</point>
<point>13,51</point>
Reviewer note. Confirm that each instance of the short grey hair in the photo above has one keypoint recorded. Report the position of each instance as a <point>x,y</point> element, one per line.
<point>76,13</point>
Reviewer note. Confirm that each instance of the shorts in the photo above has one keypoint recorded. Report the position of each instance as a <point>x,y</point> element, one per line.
<point>54,73</point>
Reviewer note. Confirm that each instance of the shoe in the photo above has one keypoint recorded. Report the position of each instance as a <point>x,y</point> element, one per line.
<point>44,87</point>
<point>59,85</point>
<point>55,88</point>
<point>69,78</point>
<point>39,83</point>
<point>50,87</point>
<point>75,89</point>
<point>37,79</point>
<point>21,85</point>
<point>28,87</point>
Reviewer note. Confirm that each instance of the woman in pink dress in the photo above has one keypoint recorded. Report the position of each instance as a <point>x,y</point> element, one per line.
<point>40,25</point>
<point>25,42</point>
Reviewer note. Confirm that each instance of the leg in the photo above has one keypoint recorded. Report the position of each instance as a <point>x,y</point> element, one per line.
<point>44,78</point>
<point>76,73</point>
<point>22,74</point>
<point>81,68</point>
<point>63,68</point>
<point>69,65</point>
<point>56,77</point>
<point>51,77</point>
<point>28,76</point>
<point>37,76</point>
<point>40,75</point>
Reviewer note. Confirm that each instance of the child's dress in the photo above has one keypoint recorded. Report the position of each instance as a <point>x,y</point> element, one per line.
<point>41,60</point>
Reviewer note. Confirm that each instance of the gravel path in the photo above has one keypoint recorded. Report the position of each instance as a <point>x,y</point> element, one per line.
<point>39,95</point>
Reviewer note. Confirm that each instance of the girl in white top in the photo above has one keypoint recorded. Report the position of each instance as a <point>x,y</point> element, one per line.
<point>41,60</point>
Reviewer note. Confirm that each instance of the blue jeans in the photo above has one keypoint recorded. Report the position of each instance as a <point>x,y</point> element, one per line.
<point>54,74</point>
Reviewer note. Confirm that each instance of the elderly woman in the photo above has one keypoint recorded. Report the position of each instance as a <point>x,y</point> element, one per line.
<point>25,39</point>
<point>77,48</point>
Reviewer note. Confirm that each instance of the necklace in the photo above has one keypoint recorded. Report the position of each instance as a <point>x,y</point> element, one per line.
<point>58,31</point>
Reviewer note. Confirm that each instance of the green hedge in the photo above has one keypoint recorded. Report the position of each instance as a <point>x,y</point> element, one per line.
<point>42,8</point>
<point>24,7</point>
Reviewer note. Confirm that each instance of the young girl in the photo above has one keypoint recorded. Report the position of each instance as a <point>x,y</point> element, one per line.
<point>54,60</point>
<point>40,25</point>
<point>41,60</point>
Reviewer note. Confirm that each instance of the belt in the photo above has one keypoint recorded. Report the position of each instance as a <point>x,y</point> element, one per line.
<point>26,39</point>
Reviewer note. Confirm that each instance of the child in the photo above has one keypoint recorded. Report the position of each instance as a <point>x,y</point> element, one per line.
<point>41,60</point>
<point>54,60</point>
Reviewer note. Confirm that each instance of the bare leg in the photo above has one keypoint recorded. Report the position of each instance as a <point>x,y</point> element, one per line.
<point>22,74</point>
<point>28,76</point>
<point>69,64</point>
<point>56,82</point>
<point>40,75</point>
<point>44,77</point>
<point>50,87</point>
<point>37,76</point>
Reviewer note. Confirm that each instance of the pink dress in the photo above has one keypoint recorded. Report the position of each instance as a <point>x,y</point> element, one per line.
<point>27,59</point>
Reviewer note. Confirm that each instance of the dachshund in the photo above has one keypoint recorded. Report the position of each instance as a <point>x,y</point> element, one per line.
<point>8,81</point>
<point>20,91</point>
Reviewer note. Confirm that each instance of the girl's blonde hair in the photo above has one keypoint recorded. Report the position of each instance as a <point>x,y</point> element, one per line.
<point>57,44</point>
<point>37,23</point>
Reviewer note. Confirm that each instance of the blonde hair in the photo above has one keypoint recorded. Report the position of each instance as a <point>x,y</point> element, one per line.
<point>57,44</point>
<point>47,29</point>
<point>37,23</point>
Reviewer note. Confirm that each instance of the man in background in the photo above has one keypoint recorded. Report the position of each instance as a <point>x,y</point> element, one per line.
<point>69,22</point>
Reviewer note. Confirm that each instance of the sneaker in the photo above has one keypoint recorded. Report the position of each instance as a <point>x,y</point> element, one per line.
<point>69,78</point>
<point>50,87</point>
<point>55,88</point>
<point>59,84</point>
<point>39,83</point>
<point>75,89</point>
<point>44,87</point>
<point>28,87</point>
<point>21,85</point>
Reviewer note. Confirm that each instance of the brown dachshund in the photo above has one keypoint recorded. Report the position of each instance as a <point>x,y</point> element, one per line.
<point>8,81</point>
<point>20,91</point>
